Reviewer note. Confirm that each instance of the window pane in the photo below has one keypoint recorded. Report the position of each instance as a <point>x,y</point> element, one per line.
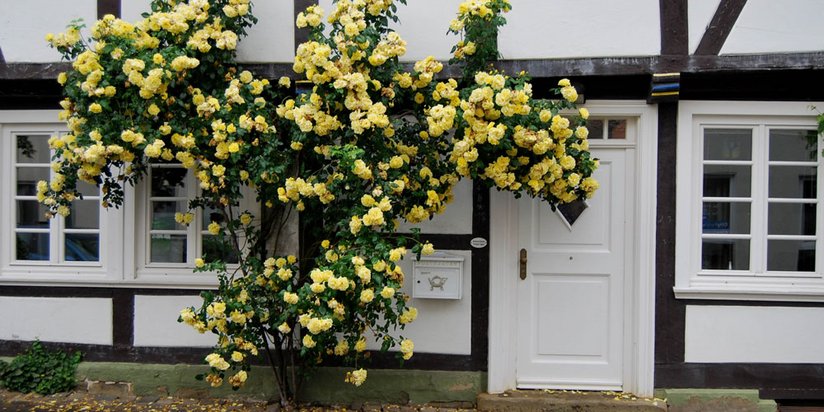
<point>793,145</point>
<point>168,182</point>
<point>727,181</point>
<point>791,255</point>
<point>727,144</point>
<point>32,246</point>
<point>725,254</point>
<point>27,178</point>
<point>209,215</point>
<point>793,182</point>
<point>214,249</point>
<point>726,217</point>
<point>82,247</point>
<point>791,219</point>
<point>87,189</point>
<point>596,128</point>
<point>33,149</point>
<point>31,214</point>
<point>85,214</point>
<point>168,248</point>
<point>163,215</point>
<point>617,129</point>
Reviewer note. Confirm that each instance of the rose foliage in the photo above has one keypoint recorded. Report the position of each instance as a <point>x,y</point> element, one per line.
<point>378,144</point>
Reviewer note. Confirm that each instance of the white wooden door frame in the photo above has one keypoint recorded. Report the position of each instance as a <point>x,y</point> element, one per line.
<point>639,301</point>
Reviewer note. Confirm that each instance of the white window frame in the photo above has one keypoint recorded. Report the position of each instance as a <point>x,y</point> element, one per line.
<point>691,282</point>
<point>107,269</point>
<point>156,272</point>
<point>121,250</point>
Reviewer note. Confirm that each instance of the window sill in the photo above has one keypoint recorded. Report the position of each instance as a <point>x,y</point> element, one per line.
<point>797,290</point>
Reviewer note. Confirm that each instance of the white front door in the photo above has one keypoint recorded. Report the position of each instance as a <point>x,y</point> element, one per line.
<point>572,314</point>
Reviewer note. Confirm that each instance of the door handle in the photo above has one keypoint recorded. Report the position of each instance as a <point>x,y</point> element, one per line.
<point>522,264</point>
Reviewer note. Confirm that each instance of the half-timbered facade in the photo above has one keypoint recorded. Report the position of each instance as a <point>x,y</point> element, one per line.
<point>698,264</point>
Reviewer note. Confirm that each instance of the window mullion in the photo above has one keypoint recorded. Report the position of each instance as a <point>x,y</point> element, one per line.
<point>193,232</point>
<point>758,254</point>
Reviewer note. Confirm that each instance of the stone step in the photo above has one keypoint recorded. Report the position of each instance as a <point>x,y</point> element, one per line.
<point>567,401</point>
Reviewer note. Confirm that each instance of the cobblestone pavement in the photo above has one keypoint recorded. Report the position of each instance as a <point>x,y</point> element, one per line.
<point>82,402</point>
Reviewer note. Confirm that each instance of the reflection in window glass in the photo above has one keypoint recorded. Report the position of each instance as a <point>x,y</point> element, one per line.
<point>725,254</point>
<point>727,181</point>
<point>791,219</point>
<point>163,215</point>
<point>793,145</point>
<point>85,214</point>
<point>168,182</point>
<point>727,144</point>
<point>168,248</point>
<point>596,128</point>
<point>27,178</point>
<point>791,255</point>
<point>214,249</point>
<point>617,129</point>
<point>82,247</point>
<point>726,217</point>
<point>796,182</point>
<point>32,246</point>
<point>33,149</point>
<point>31,214</point>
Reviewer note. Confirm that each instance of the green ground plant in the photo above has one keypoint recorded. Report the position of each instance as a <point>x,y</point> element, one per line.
<point>40,370</point>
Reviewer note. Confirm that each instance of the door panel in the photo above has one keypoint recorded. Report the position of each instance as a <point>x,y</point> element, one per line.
<point>571,305</point>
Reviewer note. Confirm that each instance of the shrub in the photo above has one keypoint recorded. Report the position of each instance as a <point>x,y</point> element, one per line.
<point>40,370</point>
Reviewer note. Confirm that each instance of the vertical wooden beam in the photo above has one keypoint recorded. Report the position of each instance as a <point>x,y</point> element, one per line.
<point>674,28</point>
<point>105,7</point>
<point>123,318</point>
<point>301,35</point>
<point>670,314</point>
<point>720,27</point>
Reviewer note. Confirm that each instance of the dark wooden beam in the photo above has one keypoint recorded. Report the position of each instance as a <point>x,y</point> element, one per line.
<point>105,7</point>
<point>674,27</point>
<point>720,27</point>
<point>602,66</point>
<point>2,59</point>
<point>301,35</point>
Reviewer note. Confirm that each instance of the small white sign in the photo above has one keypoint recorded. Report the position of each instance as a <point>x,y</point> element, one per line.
<point>478,243</point>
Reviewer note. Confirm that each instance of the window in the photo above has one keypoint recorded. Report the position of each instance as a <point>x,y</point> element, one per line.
<point>748,202</point>
<point>166,247</point>
<point>34,246</point>
<point>140,243</point>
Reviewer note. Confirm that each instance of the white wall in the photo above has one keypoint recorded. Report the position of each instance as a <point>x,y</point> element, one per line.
<point>456,219</point>
<point>75,320</point>
<point>574,28</point>
<point>699,15</point>
<point>442,326</point>
<point>24,25</point>
<point>761,334</point>
<point>155,322</point>
<point>767,26</point>
<point>271,40</point>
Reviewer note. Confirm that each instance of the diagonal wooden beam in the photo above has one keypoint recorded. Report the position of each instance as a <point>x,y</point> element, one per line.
<point>720,27</point>
<point>105,7</point>
<point>2,59</point>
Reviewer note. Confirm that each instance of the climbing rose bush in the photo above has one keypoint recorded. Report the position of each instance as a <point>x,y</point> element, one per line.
<point>377,145</point>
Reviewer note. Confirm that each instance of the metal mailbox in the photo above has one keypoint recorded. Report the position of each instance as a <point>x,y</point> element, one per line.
<point>437,276</point>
